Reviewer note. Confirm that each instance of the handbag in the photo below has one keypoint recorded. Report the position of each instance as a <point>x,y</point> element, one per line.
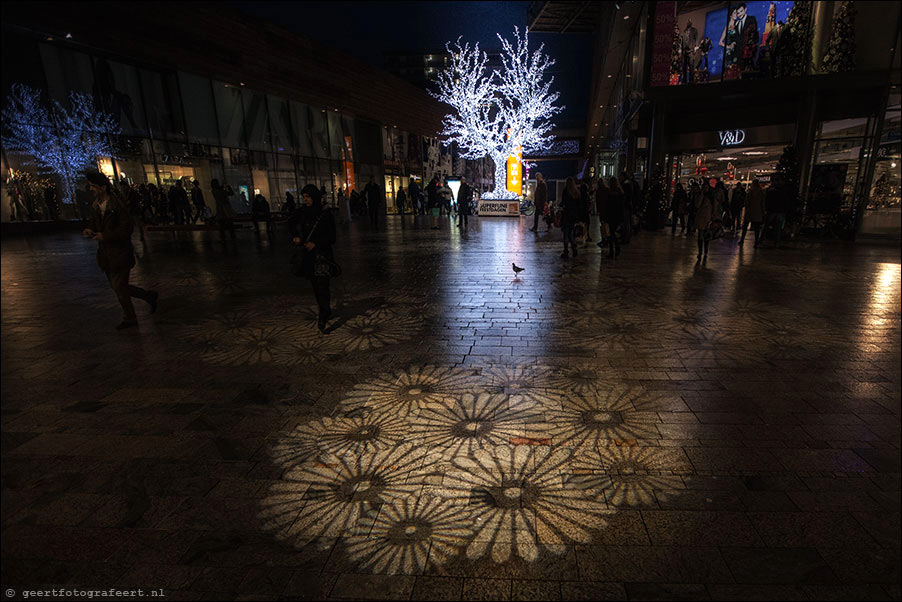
<point>323,267</point>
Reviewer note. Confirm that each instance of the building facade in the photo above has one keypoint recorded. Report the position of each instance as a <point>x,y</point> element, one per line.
<point>217,94</point>
<point>701,89</point>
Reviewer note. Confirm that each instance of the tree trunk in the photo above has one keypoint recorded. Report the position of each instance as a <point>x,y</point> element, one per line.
<point>500,191</point>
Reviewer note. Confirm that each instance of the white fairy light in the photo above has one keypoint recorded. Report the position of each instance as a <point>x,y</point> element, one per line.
<point>496,113</point>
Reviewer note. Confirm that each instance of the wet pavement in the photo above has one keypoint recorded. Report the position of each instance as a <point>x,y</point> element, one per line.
<point>650,428</point>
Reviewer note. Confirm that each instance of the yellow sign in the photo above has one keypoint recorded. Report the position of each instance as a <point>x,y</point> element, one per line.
<point>515,171</point>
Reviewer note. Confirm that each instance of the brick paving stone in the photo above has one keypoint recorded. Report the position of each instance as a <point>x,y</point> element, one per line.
<point>650,428</point>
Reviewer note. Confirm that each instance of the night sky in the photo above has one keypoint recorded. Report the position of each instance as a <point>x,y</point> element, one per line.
<point>367,30</point>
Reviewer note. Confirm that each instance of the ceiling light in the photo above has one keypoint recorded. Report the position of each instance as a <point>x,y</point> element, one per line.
<point>610,76</point>
<point>726,158</point>
<point>68,36</point>
<point>755,153</point>
<point>626,17</point>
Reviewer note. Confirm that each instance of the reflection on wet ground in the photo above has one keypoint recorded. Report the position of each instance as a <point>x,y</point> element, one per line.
<point>645,428</point>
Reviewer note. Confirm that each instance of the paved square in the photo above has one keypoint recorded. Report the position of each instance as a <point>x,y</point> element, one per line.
<point>645,428</point>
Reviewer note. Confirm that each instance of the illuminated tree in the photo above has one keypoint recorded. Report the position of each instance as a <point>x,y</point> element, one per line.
<point>497,112</point>
<point>64,141</point>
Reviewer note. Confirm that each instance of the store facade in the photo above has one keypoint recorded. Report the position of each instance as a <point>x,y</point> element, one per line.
<point>727,86</point>
<point>184,120</point>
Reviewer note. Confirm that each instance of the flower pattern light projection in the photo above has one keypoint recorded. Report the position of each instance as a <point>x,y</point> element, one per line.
<point>410,534</point>
<point>408,391</point>
<point>354,434</point>
<point>471,421</point>
<point>521,502</point>
<point>340,496</point>
<point>428,465</point>
<point>365,333</point>
<point>629,475</point>
<point>614,414</point>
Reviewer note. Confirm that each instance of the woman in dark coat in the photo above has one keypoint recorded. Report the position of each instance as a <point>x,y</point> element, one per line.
<point>601,201</point>
<point>571,209</point>
<point>612,213</point>
<point>678,205</point>
<point>313,229</point>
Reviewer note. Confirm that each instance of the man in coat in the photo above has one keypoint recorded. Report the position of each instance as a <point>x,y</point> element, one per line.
<point>748,37</point>
<point>111,227</point>
<point>197,197</point>
<point>541,199</point>
<point>464,198</point>
<point>373,195</point>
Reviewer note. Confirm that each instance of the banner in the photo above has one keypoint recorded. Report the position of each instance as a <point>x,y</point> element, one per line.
<point>514,171</point>
<point>347,158</point>
<point>662,47</point>
<point>499,208</point>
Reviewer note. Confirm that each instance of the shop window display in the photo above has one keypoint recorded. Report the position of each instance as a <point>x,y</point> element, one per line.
<point>883,214</point>
<point>727,41</point>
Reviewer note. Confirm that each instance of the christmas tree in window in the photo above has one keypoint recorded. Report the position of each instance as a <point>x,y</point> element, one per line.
<point>840,54</point>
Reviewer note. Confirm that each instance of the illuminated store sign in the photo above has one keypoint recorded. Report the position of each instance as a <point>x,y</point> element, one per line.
<point>731,137</point>
<point>514,172</point>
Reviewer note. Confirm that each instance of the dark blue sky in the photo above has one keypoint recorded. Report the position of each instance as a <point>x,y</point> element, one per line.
<point>367,30</point>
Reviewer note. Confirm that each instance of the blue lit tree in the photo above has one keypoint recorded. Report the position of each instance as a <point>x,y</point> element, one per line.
<point>66,142</point>
<point>497,112</point>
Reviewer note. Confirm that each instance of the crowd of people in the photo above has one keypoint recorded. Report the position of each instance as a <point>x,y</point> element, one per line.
<point>706,208</point>
<point>709,209</point>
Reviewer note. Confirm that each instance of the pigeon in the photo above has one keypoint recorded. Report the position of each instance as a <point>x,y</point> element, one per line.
<point>516,269</point>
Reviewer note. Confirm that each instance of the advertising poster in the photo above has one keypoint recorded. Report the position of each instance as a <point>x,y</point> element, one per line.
<point>729,40</point>
<point>665,15</point>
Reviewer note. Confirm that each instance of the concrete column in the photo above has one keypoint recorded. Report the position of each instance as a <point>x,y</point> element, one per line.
<point>806,130</point>
<point>821,23</point>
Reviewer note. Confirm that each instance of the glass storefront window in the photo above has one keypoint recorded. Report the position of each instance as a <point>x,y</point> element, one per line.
<point>162,105</point>
<point>723,41</point>
<point>256,120</point>
<point>200,110</point>
<point>335,135</point>
<point>119,93</point>
<point>67,71</point>
<point>317,132</point>
<point>230,114</point>
<point>236,173</point>
<point>284,139</point>
<point>883,215</point>
<point>299,122</point>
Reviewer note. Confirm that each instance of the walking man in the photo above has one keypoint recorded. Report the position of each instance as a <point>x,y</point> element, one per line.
<point>541,198</point>
<point>464,198</point>
<point>197,197</point>
<point>373,195</point>
<point>111,227</point>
